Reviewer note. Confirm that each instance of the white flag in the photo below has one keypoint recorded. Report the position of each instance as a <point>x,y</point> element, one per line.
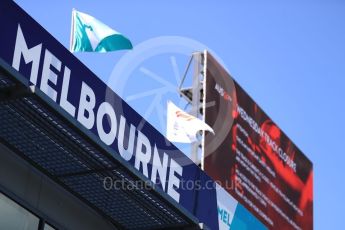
<point>183,127</point>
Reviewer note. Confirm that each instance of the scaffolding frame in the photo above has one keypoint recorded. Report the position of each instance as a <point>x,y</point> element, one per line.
<point>195,96</point>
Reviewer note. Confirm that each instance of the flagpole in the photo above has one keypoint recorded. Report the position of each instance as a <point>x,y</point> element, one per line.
<point>204,110</point>
<point>196,101</point>
<point>72,32</point>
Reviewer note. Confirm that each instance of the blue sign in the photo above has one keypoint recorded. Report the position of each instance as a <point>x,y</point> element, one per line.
<point>42,61</point>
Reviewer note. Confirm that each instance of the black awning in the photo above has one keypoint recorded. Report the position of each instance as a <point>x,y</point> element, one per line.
<point>35,130</point>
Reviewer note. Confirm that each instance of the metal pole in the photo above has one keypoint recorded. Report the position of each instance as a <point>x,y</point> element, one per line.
<point>185,72</point>
<point>196,100</point>
<point>204,108</point>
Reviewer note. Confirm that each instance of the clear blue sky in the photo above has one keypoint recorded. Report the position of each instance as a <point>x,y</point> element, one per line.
<point>289,56</point>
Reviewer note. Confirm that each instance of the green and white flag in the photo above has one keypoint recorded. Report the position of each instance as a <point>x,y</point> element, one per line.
<point>90,35</point>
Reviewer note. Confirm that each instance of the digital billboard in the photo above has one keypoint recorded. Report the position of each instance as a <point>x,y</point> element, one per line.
<point>252,158</point>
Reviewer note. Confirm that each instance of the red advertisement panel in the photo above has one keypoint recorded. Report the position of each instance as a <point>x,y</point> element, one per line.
<point>252,158</point>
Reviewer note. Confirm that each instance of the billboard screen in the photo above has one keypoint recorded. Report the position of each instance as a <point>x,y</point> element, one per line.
<point>252,158</point>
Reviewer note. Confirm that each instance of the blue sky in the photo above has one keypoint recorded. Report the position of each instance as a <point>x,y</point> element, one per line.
<point>289,56</point>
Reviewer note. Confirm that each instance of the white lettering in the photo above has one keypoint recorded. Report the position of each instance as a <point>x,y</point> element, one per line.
<point>87,116</point>
<point>65,104</point>
<point>142,156</point>
<point>87,103</point>
<point>106,109</point>
<point>173,180</point>
<point>30,55</point>
<point>160,167</point>
<point>126,153</point>
<point>49,75</point>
